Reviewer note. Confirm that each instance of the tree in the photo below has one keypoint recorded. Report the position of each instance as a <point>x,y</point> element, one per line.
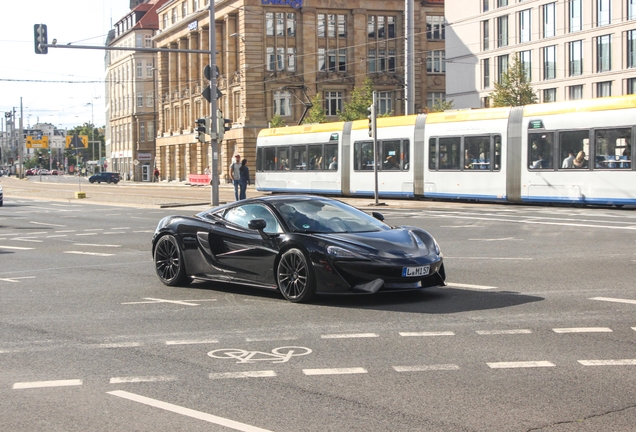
<point>514,89</point>
<point>316,113</point>
<point>439,105</point>
<point>361,99</point>
<point>276,121</point>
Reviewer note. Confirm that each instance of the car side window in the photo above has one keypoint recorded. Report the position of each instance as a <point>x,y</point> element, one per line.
<point>242,215</point>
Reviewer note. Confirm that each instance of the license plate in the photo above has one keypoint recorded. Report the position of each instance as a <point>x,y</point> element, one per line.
<point>415,271</point>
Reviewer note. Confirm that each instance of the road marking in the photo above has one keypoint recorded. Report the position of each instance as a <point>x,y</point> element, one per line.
<point>477,287</point>
<point>491,258</point>
<point>15,279</point>
<point>96,245</point>
<point>41,384</point>
<point>461,226</point>
<point>26,239</point>
<point>144,231</point>
<point>424,368</point>
<point>181,302</point>
<point>583,330</point>
<point>442,333</point>
<point>496,239</point>
<point>94,229</point>
<point>503,332</point>
<point>47,224</point>
<point>520,364</point>
<point>614,300</point>
<point>87,253</point>
<point>65,231</point>
<point>187,412</point>
<point>271,339</point>
<point>191,342</point>
<point>118,345</point>
<point>623,362</point>
<point>15,247</point>
<point>86,234</point>
<point>120,228</point>
<point>57,235</point>
<point>248,374</point>
<point>350,335</point>
<point>125,380</point>
<point>335,371</point>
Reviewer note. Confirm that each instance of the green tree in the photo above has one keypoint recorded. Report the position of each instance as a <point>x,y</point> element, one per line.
<point>96,140</point>
<point>276,121</point>
<point>440,106</point>
<point>316,113</point>
<point>361,99</point>
<point>514,88</point>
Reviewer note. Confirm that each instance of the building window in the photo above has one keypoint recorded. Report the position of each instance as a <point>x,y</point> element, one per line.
<point>269,24</point>
<point>576,16</point>
<point>631,9</point>
<point>184,9</point>
<point>165,20</point>
<point>385,102</point>
<point>291,24</point>
<point>631,48</point>
<point>485,35</point>
<point>603,12</point>
<point>576,58</point>
<point>337,60</point>
<point>485,70</point>
<point>525,26</point>
<point>381,60</point>
<point>549,95</point>
<point>149,99</point>
<point>435,27</point>
<point>138,41</point>
<point>321,60</point>
<point>502,31</point>
<point>291,59</point>
<point>631,86</point>
<point>333,102</point>
<point>282,103</point>
<point>502,3</point>
<point>277,60</point>
<point>140,99</point>
<point>433,97</point>
<point>502,66</point>
<point>150,131</point>
<point>549,62</point>
<point>142,131</point>
<point>148,41</point>
<point>371,60</point>
<point>575,92</point>
<point>485,5</point>
<point>139,70</point>
<point>381,27</point>
<point>525,57</point>
<point>603,53</point>
<point>322,24</point>
<point>604,89</point>
<point>436,61</point>
<point>195,5</point>
<point>284,25</point>
<point>149,69</point>
<point>549,20</point>
<point>174,15</point>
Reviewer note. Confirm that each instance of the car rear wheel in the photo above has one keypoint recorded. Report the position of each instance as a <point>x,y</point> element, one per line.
<point>108,181</point>
<point>169,262</point>
<point>295,277</point>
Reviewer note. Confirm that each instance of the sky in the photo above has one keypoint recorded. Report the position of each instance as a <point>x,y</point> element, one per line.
<point>66,86</point>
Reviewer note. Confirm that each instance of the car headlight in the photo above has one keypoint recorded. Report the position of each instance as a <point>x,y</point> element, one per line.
<point>437,250</point>
<point>342,253</point>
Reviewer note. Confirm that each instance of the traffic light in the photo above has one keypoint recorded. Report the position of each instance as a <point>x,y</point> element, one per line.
<point>223,125</point>
<point>201,129</point>
<point>40,39</point>
<point>371,117</point>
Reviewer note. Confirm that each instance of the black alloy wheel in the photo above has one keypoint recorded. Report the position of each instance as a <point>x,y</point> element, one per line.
<point>169,262</point>
<point>295,277</point>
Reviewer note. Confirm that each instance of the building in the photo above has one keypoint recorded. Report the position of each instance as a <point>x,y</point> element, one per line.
<point>130,93</point>
<point>571,49</point>
<point>274,56</point>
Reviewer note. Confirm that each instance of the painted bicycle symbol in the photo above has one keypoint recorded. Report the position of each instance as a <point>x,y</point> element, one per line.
<point>278,355</point>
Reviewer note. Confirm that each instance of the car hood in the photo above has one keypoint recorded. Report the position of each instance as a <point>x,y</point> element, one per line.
<point>397,242</point>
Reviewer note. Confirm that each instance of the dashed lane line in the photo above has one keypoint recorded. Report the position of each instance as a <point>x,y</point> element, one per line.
<point>335,371</point>
<point>425,334</point>
<point>27,239</point>
<point>16,279</point>
<point>503,332</point>
<point>87,234</point>
<point>476,287</point>
<point>520,364</point>
<point>349,336</point>
<point>614,300</point>
<point>88,253</point>
<point>192,342</point>
<point>583,330</point>
<point>247,374</point>
<point>15,247</point>
<point>96,245</point>
<point>140,379</point>
<point>41,384</point>
<point>621,362</point>
<point>118,345</point>
<point>46,224</point>
<point>425,368</point>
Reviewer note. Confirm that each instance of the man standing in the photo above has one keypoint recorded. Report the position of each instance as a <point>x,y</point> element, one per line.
<point>156,174</point>
<point>235,174</point>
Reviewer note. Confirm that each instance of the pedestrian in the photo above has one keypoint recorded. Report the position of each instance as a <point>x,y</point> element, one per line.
<point>207,170</point>
<point>235,174</point>
<point>245,178</point>
<point>156,174</point>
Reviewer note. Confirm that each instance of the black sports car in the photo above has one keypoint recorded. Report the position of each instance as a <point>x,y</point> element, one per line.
<point>300,245</point>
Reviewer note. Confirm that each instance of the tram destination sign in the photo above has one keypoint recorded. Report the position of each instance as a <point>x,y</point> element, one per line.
<point>296,4</point>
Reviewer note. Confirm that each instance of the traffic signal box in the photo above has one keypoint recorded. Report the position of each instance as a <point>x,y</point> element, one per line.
<point>40,39</point>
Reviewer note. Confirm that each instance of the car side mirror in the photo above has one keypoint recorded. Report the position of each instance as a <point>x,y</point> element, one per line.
<point>378,216</point>
<point>257,224</point>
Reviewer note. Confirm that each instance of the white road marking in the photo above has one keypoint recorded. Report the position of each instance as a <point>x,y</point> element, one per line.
<point>495,239</point>
<point>86,234</point>
<point>181,302</point>
<point>614,300</point>
<point>120,228</point>
<point>349,336</point>
<point>124,380</point>
<point>118,345</point>
<point>57,235</point>
<point>461,226</point>
<point>47,224</point>
<point>15,279</point>
<point>192,342</point>
<point>15,247</point>
<point>583,330</point>
<point>503,332</point>
<point>623,362</point>
<point>477,287</point>
<point>248,374</point>
<point>26,239</point>
<point>87,253</point>
<point>188,412</point>
<point>65,231</point>
<point>94,229</point>
<point>112,232</point>
<point>41,384</point>
<point>38,233</point>
<point>491,258</point>
<point>96,245</point>
<point>144,231</point>
<point>335,371</point>
<point>424,368</point>
<point>271,339</point>
<point>520,364</point>
<point>441,333</point>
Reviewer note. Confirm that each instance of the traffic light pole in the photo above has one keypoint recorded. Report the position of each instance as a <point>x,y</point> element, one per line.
<point>214,144</point>
<point>374,133</point>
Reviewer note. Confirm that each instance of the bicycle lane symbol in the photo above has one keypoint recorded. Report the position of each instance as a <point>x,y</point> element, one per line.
<point>278,355</point>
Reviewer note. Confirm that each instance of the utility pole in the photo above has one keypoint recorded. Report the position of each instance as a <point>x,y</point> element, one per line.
<point>409,58</point>
<point>21,143</point>
<point>214,144</point>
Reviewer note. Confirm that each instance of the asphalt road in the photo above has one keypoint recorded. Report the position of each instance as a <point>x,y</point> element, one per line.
<point>535,332</point>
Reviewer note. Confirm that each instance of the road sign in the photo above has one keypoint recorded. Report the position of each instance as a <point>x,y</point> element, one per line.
<point>76,141</point>
<point>32,142</point>
<point>135,162</point>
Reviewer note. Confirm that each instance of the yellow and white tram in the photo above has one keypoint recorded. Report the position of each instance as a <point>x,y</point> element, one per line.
<point>577,152</point>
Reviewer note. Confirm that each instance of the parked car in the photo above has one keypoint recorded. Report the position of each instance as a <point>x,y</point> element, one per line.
<point>31,171</point>
<point>106,177</point>
<point>55,172</point>
<point>44,172</point>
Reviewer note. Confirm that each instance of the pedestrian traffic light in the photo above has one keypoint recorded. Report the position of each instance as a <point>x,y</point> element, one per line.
<point>371,117</point>
<point>223,125</point>
<point>201,129</point>
<point>40,39</point>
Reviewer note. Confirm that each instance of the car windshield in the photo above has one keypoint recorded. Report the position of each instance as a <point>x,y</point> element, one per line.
<point>321,216</point>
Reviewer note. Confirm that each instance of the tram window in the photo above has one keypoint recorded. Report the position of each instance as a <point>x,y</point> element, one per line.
<point>613,148</point>
<point>432,154</point>
<point>315,157</point>
<point>391,155</point>
<point>406,156</point>
<point>331,152</point>
<point>259,159</point>
<point>571,143</point>
<point>283,158</point>
<point>270,159</point>
<point>540,150</point>
<point>299,157</point>
<point>477,153</point>
<point>449,153</point>
<point>497,140</point>
<point>363,156</point>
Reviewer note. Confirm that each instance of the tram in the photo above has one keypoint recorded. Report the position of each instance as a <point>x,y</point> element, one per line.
<point>574,152</point>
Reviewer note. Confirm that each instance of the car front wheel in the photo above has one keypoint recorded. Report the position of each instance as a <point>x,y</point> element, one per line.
<point>295,277</point>
<point>169,262</point>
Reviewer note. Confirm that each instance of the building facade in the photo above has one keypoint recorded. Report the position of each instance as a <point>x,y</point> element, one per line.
<point>570,49</point>
<point>274,56</point>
